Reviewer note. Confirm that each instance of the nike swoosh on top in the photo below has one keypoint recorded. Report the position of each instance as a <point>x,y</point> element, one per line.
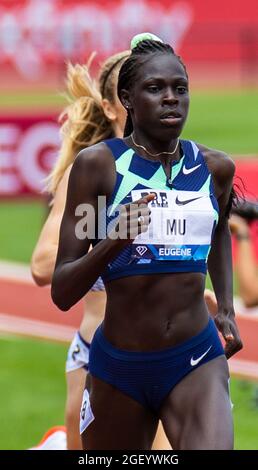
<point>186,171</point>
<point>182,203</point>
<point>194,362</point>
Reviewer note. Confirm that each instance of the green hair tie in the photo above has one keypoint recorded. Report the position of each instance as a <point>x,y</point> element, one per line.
<point>143,37</point>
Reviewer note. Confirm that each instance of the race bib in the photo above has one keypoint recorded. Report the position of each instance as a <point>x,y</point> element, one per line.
<point>180,229</point>
<point>86,415</point>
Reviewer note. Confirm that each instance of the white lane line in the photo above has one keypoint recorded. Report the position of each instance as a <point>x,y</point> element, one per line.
<point>39,329</point>
<point>243,368</point>
<point>15,271</point>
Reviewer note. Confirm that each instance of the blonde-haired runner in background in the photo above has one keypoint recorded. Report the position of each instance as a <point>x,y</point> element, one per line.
<point>94,114</point>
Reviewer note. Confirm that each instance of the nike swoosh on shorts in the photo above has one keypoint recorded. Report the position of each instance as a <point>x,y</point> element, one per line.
<point>194,362</point>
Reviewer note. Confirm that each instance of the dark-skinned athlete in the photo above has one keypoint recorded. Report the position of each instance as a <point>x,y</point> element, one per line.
<point>157,354</point>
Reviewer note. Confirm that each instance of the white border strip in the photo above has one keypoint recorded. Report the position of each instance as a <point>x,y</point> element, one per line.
<point>39,329</point>
<point>243,368</point>
<point>15,271</point>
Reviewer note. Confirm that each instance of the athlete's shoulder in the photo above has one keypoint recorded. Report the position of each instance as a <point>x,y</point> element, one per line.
<point>95,159</point>
<point>93,155</point>
<point>219,163</point>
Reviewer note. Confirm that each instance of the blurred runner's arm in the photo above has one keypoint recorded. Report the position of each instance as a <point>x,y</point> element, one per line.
<point>246,264</point>
<point>211,302</point>
<point>44,256</point>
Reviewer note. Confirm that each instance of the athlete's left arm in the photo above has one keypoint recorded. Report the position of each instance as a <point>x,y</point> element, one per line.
<point>220,257</point>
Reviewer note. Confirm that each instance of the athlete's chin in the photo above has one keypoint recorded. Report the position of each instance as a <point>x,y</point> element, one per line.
<point>174,129</point>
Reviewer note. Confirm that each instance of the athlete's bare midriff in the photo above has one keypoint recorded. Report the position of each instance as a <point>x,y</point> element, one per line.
<point>162,318</point>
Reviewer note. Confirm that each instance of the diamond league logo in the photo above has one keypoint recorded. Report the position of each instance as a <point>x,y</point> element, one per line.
<point>141,250</point>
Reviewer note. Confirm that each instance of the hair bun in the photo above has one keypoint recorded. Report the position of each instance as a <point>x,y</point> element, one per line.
<point>143,37</point>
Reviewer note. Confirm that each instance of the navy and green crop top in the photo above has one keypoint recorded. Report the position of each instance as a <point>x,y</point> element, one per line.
<point>184,212</point>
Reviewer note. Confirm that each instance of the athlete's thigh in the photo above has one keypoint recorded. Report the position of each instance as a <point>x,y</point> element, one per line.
<point>119,421</point>
<point>197,412</point>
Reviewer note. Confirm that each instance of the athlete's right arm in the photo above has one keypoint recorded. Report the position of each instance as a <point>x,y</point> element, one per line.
<point>76,270</point>
<point>44,255</point>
